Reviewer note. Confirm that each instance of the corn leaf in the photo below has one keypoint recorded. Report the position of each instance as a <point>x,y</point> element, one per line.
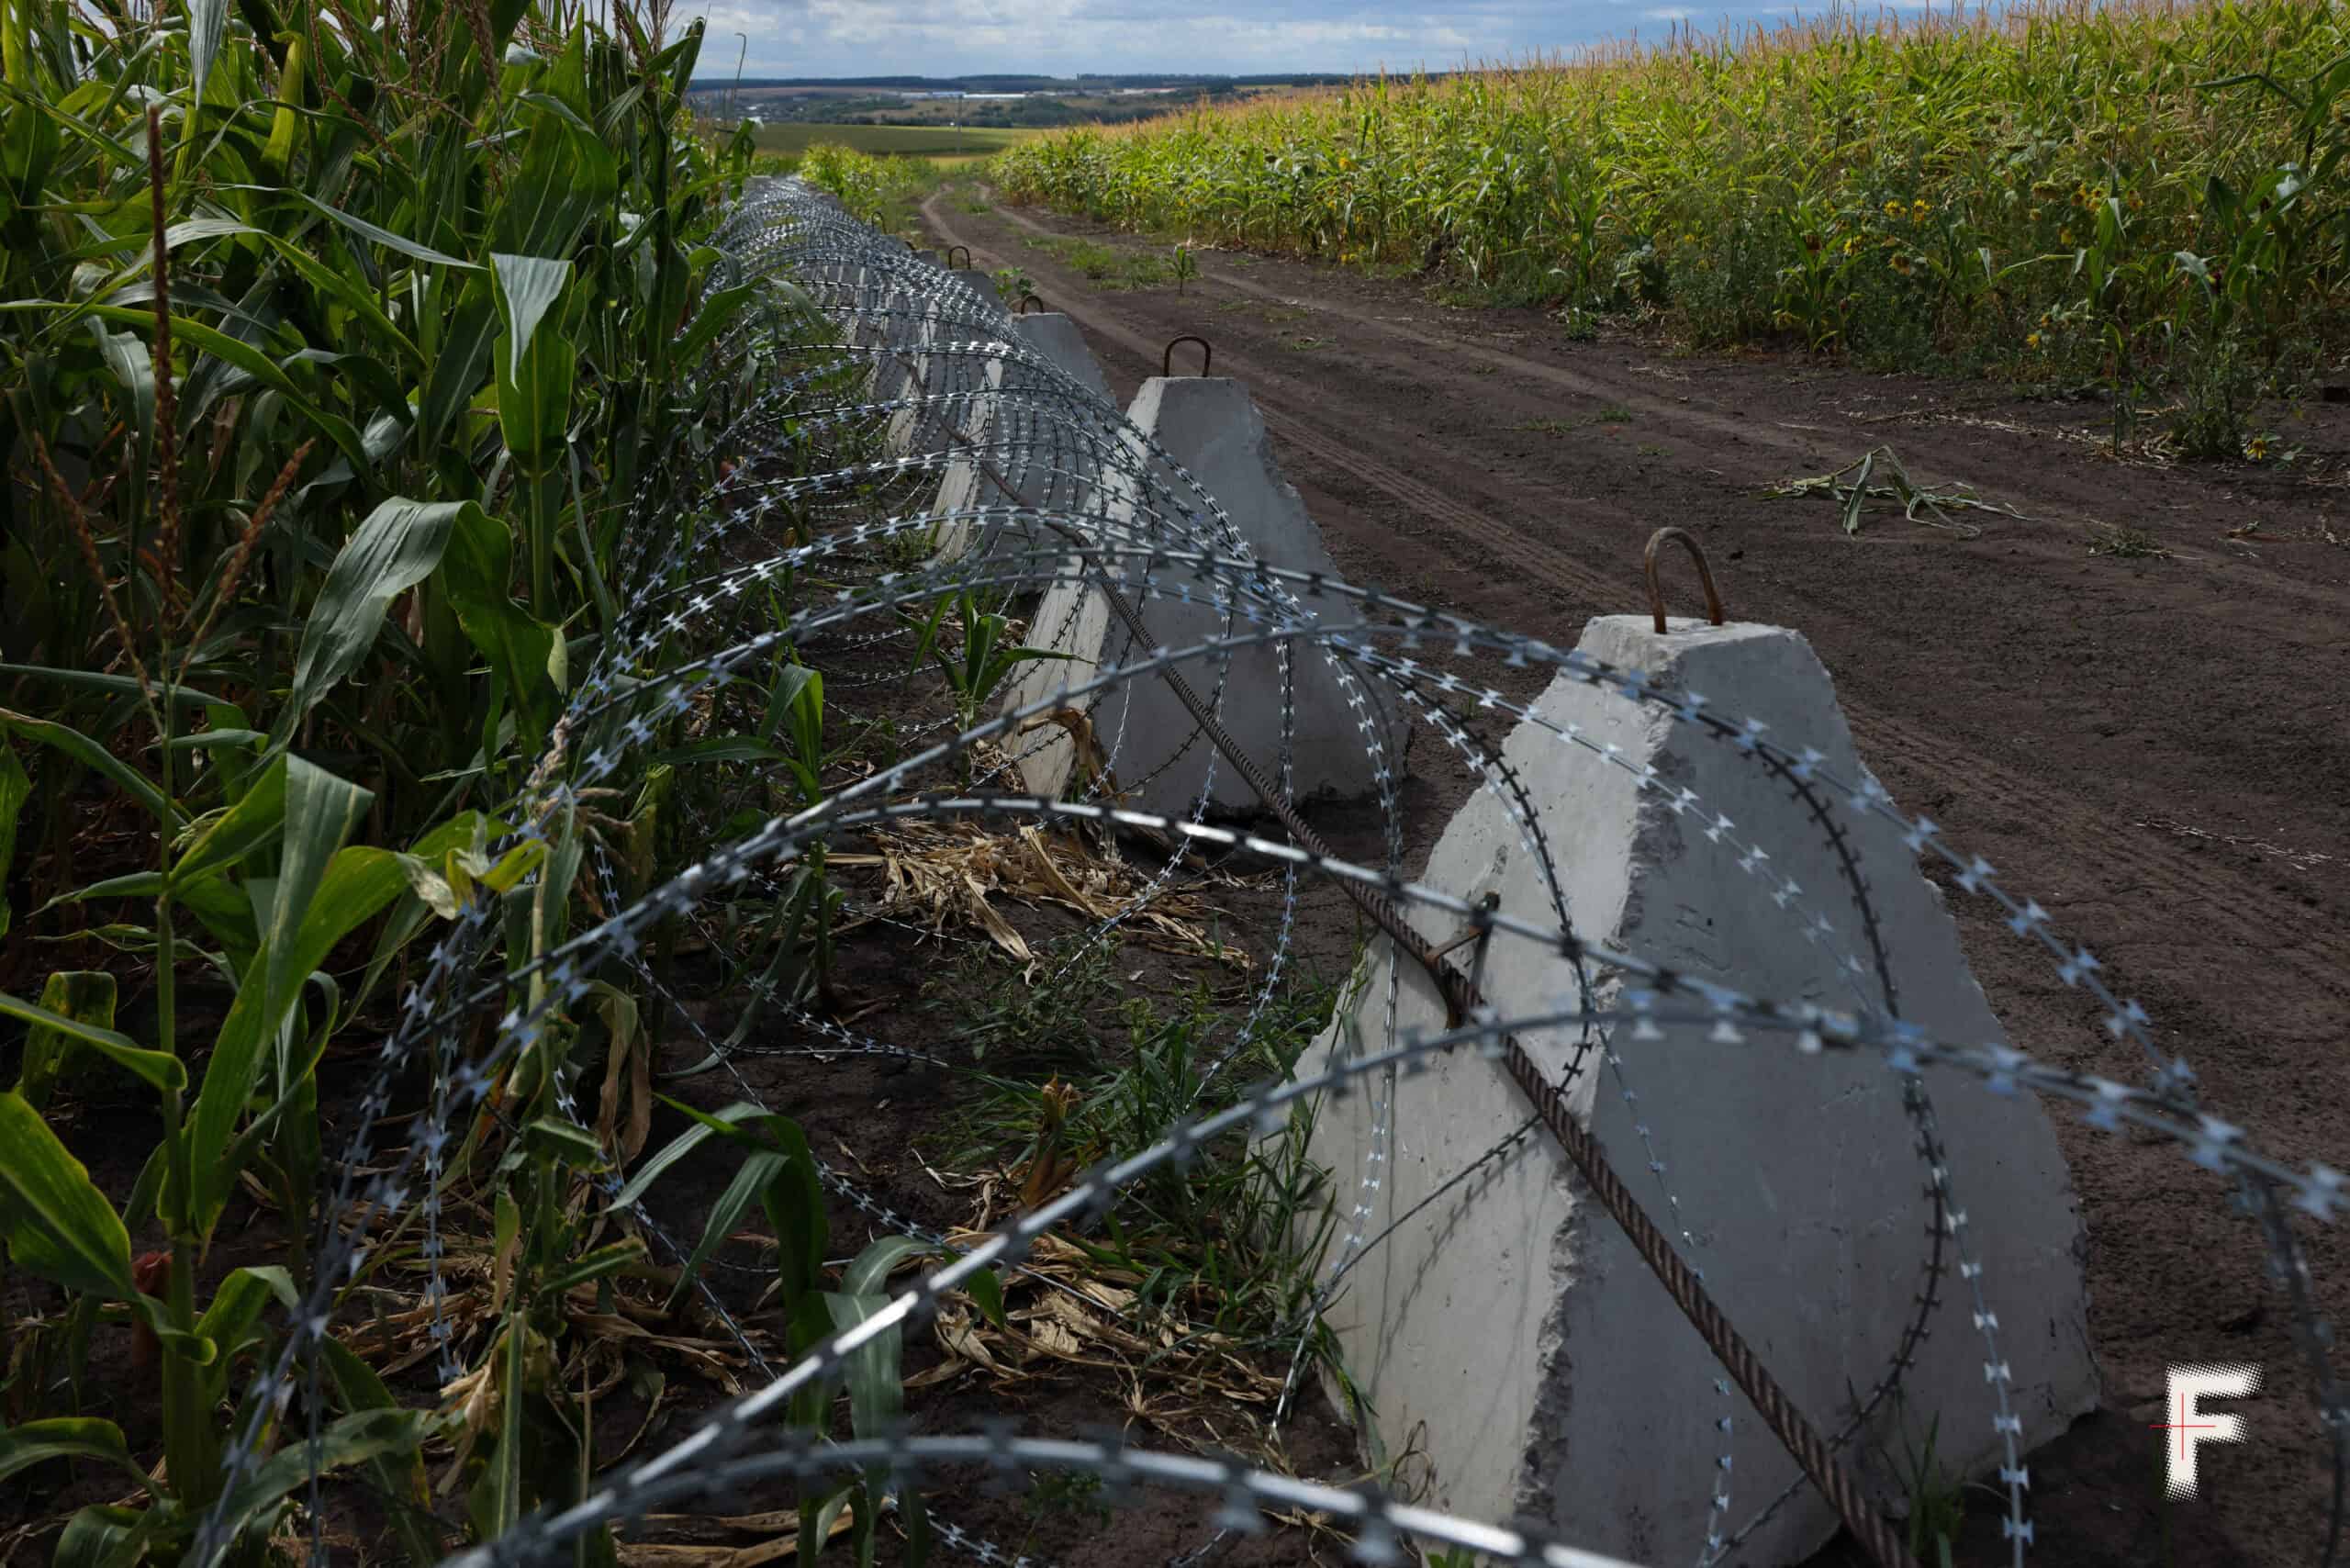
<point>64,1437</point>
<point>16,788</point>
<point>478,568</point>
<point>244,827</point>
<point>528,287</point>
<point>359,1437</point>
<point>395,549</point>
<point>321,893</point>
<point>57,1223</point>
<point>86,996</point>
<point>160,1069</point>
<point>89,752</point>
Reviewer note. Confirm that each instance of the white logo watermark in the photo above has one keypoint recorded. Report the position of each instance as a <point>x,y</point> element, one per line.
<point>2191,1425</point>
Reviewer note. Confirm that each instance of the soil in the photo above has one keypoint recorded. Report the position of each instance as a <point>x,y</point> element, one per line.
<point>2129,692</point>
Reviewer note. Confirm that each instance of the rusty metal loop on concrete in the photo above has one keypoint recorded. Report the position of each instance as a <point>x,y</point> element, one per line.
<point>1028,299</point>
<point>1166,359</point>
<point>950,257</point>
<point>1656,589</point>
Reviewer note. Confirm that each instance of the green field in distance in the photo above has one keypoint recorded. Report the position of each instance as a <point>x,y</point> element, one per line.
<point>888,141</point>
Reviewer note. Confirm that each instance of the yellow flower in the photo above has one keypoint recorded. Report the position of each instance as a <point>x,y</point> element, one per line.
<point>2136,201</point>
<point>1893,209</point>
<point>1918,210</point>
<point>2064,236</point>
<point>2032,341</point>
<point>2035,215</point>
<point>1688,239</point>
<point>1900,263</point>
<point>2257,448</point>
<point>1851,243</point>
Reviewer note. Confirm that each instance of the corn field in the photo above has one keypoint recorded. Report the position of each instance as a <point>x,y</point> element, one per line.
<point>2136,195</point>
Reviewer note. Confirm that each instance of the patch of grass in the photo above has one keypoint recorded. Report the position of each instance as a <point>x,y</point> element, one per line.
<point>2129,545</point>
<point>1104,266</point>
<point>1613,414</point>
<point>1230,1240</point>
<point>1024,1025</point>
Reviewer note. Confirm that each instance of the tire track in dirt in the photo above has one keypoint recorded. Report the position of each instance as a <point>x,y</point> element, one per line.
<point>2239,907</point>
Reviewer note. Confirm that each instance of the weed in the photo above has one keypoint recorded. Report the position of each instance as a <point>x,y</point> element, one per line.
<point>1577,325</point>
<point>1028,1023</point>
<point>1612,415</point>
<point>1014,284</point>
<point>2127,543</point>
<point>1937,1502</point>
<point>1546,426</point>
<point>1231,1238</point>
<point>1184,266</point>
<point>1063,1493</point>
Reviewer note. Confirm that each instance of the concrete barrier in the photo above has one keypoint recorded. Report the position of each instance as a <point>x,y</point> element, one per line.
<point>947,365</point>
<point>1541,1367</point>
<point>1055,337</point>
<point>1208,425</point>
<point>982,284</point>
<point>1046,452</point>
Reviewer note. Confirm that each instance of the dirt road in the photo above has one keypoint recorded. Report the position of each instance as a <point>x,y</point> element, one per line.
<point>2154,742</point>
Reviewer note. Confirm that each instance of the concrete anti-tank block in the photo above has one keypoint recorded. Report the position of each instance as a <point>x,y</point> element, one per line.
<point>982,284</point>
<point>1055,336</point>
<point>1045,454</point>
<point>1510,1325</point>
<point>949,365</point>
<point>1209,426</point>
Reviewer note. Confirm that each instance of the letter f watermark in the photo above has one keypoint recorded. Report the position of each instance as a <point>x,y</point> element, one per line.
<point>2195,1426</point>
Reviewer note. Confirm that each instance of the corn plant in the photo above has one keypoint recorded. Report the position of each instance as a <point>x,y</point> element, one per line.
<point>978,663</point>
<point>780,1175</point>
<point>332,362</point>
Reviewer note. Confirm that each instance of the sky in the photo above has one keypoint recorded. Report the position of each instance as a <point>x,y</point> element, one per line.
<point>1237,37</point>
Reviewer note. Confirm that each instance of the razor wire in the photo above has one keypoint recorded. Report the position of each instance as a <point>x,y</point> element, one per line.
<point>900,390</point>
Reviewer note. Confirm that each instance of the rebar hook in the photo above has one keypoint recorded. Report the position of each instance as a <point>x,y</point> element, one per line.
<point>1028,299</point>
<point>1166,359</point>
<point>950,257</point>
<point>1705,576</point>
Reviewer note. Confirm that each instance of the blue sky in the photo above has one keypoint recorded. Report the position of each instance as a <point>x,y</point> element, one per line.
<point>950,38</point>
